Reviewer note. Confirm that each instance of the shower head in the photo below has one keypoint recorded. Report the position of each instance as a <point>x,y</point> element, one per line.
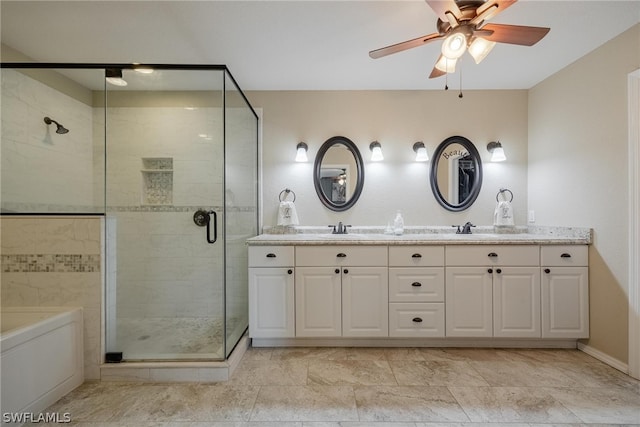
<point>61,129</point>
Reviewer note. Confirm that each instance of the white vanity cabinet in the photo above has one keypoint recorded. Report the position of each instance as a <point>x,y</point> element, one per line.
<point>271,292</point>
<point>416,291</point>
<point>341,291</point>
<point>492,291</point>
<point>565,291</point>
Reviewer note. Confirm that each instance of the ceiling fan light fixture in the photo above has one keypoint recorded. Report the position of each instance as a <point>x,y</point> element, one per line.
<point>480,48</point>
<point>454,45</point>
<point>447,65</point>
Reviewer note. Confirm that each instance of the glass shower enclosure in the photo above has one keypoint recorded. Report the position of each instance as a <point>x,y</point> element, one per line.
<point>169,158</point>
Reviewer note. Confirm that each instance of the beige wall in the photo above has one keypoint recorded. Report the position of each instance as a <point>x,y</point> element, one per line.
<point>397,119</point>
<point>578,172</point>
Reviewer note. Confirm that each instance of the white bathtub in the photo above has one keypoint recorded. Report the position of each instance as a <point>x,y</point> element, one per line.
<point>41,359</point>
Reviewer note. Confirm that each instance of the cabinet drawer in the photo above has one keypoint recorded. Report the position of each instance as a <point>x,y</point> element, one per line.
<point>271,256</point>
<point>416,256</point>
<point>483,255</point>
<point>424,284</point>
<point>361,256</point>
<point>416,320</point>
<point>569,255</point>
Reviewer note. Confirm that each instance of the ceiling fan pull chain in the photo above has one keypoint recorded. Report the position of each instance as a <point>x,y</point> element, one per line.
<point>446,81</point>
<point>460,94</point>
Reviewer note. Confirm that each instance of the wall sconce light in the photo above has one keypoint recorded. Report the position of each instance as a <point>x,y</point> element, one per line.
<point>421,152</point>
<point>376,151</point>
<point>114,77</point>
<point>301,152</point>
<point>497,153</point>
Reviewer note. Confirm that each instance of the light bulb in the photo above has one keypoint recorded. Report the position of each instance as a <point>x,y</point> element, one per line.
<point>301,152</point>
<point>454,45</point>
<point>445,64</point>
<point>376,152</point>
<point>480,48</point>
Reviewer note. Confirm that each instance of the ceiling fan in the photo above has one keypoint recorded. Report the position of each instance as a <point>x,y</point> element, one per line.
<point>461,26</point>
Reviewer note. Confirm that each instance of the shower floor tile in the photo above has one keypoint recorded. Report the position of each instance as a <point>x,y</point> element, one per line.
<point>155,338</point>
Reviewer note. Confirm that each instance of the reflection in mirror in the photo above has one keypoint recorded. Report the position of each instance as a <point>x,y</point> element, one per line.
<point>456,173</point>
<point>338,173</point>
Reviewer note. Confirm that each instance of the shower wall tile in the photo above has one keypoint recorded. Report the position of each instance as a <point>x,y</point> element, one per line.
<point>36,162</point>
<point>77,239</point>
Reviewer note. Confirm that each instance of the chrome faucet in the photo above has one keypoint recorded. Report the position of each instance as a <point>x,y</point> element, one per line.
<point>466,229</point>
<point>341,228</point>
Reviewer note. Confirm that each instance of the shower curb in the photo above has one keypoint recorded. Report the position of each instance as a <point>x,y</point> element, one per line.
<point>170,372</point>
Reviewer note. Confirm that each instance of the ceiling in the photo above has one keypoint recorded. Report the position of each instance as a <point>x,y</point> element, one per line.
<point>306,45</point>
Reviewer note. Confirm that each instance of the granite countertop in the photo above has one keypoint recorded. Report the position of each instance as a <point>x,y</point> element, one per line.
<point>425,236</point>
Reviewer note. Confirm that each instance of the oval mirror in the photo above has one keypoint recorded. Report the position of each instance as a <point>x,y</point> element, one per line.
<point>456,173</point>
<point>338,173</point>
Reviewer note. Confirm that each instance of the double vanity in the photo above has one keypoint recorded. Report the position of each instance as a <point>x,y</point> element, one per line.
<point>429,287</point>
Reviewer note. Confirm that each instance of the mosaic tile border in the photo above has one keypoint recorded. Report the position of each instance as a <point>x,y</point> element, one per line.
<point>9,208</point>
<point>51,263</point>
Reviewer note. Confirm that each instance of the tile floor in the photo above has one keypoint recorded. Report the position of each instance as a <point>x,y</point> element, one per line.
<point>395,387</point>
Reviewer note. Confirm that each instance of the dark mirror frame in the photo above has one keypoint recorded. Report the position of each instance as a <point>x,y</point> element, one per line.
<point>433,175</point>
<point>359,173</point>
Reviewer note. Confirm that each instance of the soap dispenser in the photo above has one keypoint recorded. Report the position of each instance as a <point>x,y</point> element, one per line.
<point>398,224</point>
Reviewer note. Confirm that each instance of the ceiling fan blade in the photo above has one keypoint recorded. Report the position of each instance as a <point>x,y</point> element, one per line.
<point>515,34</point>
<point>399,47</point>
<point>436,73</point>
<point>441,7</point>
<point>488,10</point>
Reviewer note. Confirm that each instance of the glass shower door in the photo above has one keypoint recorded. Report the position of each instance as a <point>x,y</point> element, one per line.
<point>165,215</point>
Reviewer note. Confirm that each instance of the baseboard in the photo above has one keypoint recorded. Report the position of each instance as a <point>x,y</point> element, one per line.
<point>605,358</point>
<point>414,342</point>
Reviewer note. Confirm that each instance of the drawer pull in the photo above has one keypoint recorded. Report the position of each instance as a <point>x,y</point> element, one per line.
<point>492,255</point>
<point>565,255</point>
<point>416,256</point>
<point>416,284</point>
<point>498,271</point>
<point>345,271</point>
<point>341,255</point>
<point>490,270</point>
<point>417,319</point>
<point>546,270</point>
<point>290,271</point>
<point>337,271</point>
<point>271,255</point>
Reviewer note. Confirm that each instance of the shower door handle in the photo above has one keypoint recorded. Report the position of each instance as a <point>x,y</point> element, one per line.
<point>215,228</point>
<point>202,218</point>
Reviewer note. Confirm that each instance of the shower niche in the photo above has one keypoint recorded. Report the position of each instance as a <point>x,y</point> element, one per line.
<point>157,181</point>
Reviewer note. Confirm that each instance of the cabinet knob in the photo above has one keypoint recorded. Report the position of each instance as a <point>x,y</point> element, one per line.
<point>417,319</point>
<point>416,284</point>
<point>492,255</point>
<point>290,271</point>
<point>565,255</point>
<point>546,270</point>
<point>345,271</point>
<point>271,255</point>
<point>490,270</point>
<point>416,256</point>
<point>341,255</point>
<point>337,270</point>
<point>499,271</point>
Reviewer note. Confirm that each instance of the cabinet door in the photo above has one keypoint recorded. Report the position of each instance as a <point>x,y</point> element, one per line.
<point>271,304</point>
<point>468,306</point>
<point>318,302</point>
<point>516,302</point>
<point>565,302</point>
<point>365,302</point>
